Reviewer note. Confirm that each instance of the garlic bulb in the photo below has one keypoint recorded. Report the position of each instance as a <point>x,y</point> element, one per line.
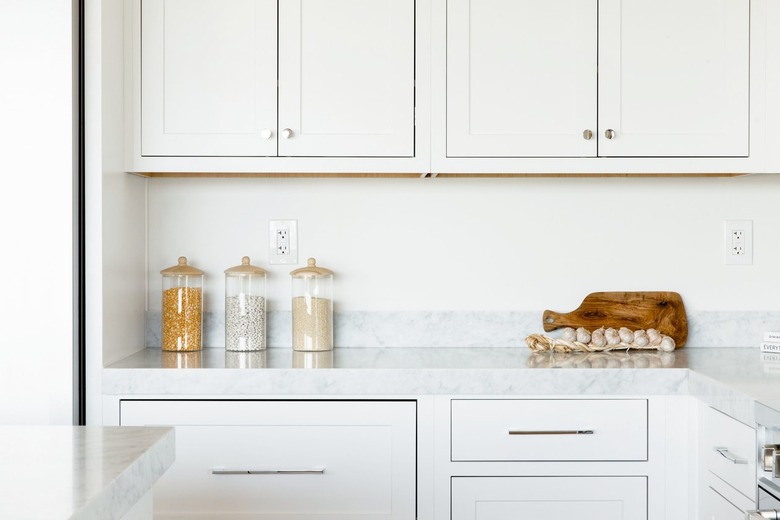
<point>569,334</point>
<point>626,336</point>
<point>640,338</point>
<point>583,336</point>
<point>667,344</point>
<point>597,339</point>
<point>654,336</point>
<point>612,336</point>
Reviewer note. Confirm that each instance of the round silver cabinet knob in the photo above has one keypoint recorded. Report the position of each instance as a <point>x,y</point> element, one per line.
<point>609,134</point>
<point>587,134</point>
<point>287,133</point>
<point>266,133</point>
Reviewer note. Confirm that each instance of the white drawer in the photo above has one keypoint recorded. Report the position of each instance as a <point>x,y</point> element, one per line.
<point>549,430</point>
<point>723,498</point>
<point>730,451</point>
<point>716,507</point>
<point>333,458</point>
<point>602,498</point>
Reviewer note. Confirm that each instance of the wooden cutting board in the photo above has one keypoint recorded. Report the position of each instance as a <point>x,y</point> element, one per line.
<point>660,310</point>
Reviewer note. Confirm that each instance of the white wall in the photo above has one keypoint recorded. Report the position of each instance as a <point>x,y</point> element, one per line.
<point>478,244</point>
<point>36,146</point>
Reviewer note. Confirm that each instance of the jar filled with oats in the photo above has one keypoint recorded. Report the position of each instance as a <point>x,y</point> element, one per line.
<point>312,308</point>
<point>245,307</point>
<point>182,307</point>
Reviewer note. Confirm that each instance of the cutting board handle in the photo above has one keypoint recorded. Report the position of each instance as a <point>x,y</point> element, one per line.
<point>550,320</point>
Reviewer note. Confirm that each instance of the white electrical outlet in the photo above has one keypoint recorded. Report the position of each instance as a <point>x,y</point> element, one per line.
<point>283,241</point>
<point>738,242</point>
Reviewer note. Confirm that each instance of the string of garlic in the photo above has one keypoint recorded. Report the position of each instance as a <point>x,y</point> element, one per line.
<point>602,339</point>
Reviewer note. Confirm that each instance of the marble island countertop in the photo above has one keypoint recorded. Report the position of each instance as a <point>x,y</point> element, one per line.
<point>79,472</point>
<point>731,379</point>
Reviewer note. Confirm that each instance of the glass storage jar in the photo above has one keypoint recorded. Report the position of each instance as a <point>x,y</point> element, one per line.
<point>312,308</point>
<point>182,307</point>
<point>245,307</point>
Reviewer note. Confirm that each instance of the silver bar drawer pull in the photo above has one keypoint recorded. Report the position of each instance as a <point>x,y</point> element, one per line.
<point>231,471</point>
<point>725,453</point>
<point>550,432</point>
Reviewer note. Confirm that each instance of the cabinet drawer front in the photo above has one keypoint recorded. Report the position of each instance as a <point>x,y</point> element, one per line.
<point>716,507</point>
<point>729,451</point>
<point>723,498</point>
<point>319,459</point>
<point>493,498</point>
<point>549,430</point>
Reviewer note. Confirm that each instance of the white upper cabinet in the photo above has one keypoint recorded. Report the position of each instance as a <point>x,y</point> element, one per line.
<point>521,78</point>
<point>208,77</point>
<point>346,77</point>
<point>581,78</point>
<point>236,78</point>
<point>452,86</point>
<point>674,77</point>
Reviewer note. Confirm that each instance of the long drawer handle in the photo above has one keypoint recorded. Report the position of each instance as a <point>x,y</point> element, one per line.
<point>550,432</point>
<point>727,454</point>
<point>226,471</point>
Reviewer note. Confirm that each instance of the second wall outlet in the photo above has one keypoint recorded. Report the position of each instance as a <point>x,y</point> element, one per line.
<point>283,241</point>
<point>738,242</point>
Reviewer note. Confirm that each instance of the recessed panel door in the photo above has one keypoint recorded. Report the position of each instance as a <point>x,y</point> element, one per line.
<point>521,78</point>
<point>346,78</point>
<point>208,84</point>
<point>674,78</point>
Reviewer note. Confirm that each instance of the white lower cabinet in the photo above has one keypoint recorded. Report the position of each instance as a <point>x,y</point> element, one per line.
<point>717,507</point>
<point>439,458</point>
<point>558,459</point>
<point>728,482</point>
<point>318,460</point>
<point>549,498</point>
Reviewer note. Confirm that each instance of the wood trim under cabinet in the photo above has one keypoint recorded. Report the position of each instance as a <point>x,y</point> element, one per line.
<point>581,175</point>
<point>301,175</point>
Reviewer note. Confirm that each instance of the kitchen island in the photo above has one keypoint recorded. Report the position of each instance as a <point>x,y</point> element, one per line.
<point>81,472</point>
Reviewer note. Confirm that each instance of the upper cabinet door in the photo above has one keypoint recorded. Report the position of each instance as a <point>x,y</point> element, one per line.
<point>521,78</point>
<point>673,78</point>
<point>346,78</point>
<point>208,84</point>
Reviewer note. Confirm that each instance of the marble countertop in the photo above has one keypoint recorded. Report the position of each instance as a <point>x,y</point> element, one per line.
<point>728,378</point>
<point>79,472</point>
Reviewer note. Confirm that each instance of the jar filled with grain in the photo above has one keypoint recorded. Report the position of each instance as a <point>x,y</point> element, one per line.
<point>312,308</point>
<point>182,307</point>
<point>245,307</point>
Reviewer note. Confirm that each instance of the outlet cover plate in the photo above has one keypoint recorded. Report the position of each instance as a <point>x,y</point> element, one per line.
<point>738,242</point>
<point>283,242</point>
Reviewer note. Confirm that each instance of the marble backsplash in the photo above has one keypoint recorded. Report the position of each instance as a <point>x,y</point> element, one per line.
<point>470,329</point>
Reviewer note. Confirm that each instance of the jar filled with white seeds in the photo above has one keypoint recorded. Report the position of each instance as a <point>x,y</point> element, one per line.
<point>245,307</point>
<point>182,307</point>
<point>312,308</point>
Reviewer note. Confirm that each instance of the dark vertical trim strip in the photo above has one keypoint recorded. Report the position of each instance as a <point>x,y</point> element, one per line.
<point>79,249</point>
